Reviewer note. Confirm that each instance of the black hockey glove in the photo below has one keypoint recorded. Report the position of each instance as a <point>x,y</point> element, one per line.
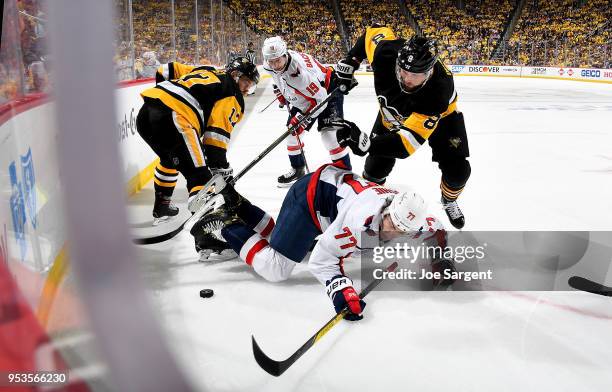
<point>344,71</point>
<point>349,134</point>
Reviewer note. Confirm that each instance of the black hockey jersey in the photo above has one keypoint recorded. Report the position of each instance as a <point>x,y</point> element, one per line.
<point>210,101</point>
<point>414,116</point>
<point>174,70</point>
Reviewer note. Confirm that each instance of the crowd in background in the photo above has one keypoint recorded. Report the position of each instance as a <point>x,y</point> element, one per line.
<point>24,61</point>
<point>566,33</point>
<point>563,33</point>
<point>465,35</point>
<point>221,32</point>
<point>307,25</point>
<point>360,14</point>
<point>576,33</point>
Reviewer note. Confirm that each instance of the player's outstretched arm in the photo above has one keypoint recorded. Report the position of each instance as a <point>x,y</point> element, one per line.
<point>325,264</point>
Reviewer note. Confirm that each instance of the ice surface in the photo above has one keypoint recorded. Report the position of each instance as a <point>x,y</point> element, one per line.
<point>541,155</point>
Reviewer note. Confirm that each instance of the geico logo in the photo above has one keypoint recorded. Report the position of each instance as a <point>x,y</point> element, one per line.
<point>483,69</point>
<point>590,73</point>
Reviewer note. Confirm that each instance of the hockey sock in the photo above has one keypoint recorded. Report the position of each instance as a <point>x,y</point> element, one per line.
<point>448,192</point>
<point>165,180</point>
<point>345,162</point>
<point>256,218</point>
<point>244,241</point>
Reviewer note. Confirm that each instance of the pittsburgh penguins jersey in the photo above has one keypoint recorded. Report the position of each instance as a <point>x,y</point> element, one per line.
<point>414,117</point>
<point>174,70</point>
<point>304,82</point>
<point>209,101</point>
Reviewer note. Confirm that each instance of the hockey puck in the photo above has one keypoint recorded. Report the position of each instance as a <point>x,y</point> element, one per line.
<point>206,293</point>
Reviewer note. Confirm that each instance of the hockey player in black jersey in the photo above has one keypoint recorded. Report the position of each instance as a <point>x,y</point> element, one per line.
<point>188,121</point>
<point>418,102</point>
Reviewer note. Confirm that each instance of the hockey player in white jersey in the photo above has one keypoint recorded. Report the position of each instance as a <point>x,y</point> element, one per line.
<point>336,206</point>
<point>301,82</point>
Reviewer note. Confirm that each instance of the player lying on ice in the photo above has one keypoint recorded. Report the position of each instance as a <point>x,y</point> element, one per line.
<point>332,204</point>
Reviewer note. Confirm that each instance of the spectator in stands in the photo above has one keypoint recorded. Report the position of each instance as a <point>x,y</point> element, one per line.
<point>149,66</point>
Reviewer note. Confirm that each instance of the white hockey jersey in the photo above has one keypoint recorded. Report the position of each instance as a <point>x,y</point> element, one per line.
<point>345,207</point>
<point>304,83</point>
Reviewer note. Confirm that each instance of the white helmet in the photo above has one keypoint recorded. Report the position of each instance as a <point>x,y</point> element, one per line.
<point>273,47</point>
<point>407,211</point>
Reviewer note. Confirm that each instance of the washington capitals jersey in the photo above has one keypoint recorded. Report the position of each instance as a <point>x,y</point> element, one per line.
<point>342,205</point>
<point>414,116</point>
<point>304,82</point>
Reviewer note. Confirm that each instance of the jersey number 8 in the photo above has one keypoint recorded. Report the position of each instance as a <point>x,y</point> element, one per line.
<point>431,122</point>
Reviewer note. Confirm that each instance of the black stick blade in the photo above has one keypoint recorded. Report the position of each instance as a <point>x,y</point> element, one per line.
<point>580,283</point>
<point>268,364</point>
<point>158,238</point>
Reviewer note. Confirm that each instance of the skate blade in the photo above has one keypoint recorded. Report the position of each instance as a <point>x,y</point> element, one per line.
<point>163,219</point>
<point>210,256</point>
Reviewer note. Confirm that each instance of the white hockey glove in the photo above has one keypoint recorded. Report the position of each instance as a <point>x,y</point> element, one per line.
<point>227,173</point>
<point>349,134</point>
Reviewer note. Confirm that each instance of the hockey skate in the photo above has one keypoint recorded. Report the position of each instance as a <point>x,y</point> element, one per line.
<point>211,248</point>
<point>207,231</point>
<point>455,216</point>
<point>163,209</point>
<point>287,179</point>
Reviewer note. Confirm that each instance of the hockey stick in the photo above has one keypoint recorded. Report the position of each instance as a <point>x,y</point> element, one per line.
<point>276,368</point>
<point>297,136</point>
<point>302,151</point>
<point>583,284</point>
<point>203,195</point>
<point>270,104</point>
<point>283,136</point>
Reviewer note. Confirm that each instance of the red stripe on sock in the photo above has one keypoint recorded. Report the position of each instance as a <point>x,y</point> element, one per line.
<point>295,148</point>
<point>268,229</point>
<point>336,150</point>
<point>259,245</point>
